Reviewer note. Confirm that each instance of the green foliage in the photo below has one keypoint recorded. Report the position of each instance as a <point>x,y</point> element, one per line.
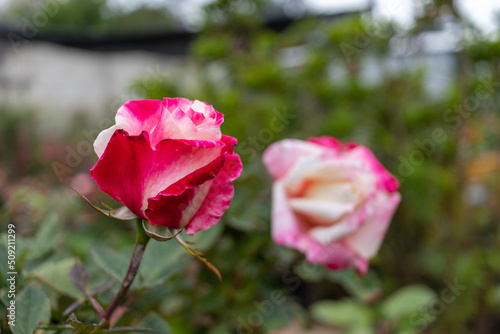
<point>94,17</point>
<point>154,321</point>
<point>406,310</point>
<point>112,262</point>
<point>367,288</point>
<point>81,327</point>
<point>344,313</point>
<point>55,274</point>
<point>406,301</point>
<point>34,309</point>
<point>44,241</point>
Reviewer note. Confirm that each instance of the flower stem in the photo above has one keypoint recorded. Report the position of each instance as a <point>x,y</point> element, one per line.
<point>140,245</point>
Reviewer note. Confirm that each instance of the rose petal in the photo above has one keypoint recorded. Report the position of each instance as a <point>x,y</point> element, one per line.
<point>138,116</point>
<point>166,129</point>
<point>336,255</point>
<point>221,192</point>
<point>329,142</point>
<point>280,157</point>
<point>285,227</point>
<point>102,140</point>
<point>333,143</point>
<point>331,233</point>
<point>200,124</point>
<point>320,211</point>
<point>175,206</point>
<point>385,181</point>
<point>141,115</point>
<point>150,116</point>
<point>174,159</point>
<point>366,241</point>
<point>331,190</point>
<point>308,171</point>
<point>312,174</point>
<point>200,112</point>
<point>302,169</point>
<point>328,234</point>
<point>130,171</point>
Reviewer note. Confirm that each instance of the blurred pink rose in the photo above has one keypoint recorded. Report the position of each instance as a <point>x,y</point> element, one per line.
<point>83,184</point>
<point>331,201</point>
<point>168,163</point>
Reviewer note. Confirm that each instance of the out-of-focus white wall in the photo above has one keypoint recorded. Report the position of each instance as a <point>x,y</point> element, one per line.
<point>58,81</point>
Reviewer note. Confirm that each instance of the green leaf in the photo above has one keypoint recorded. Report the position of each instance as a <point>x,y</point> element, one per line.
<point>365,288</point>
<point>279,318</point>
<point>3,310</point>
<point>80,278</point>
<point>3,256</point>
<point>406,301</point>
<point>32,309</point>
<point>20,248</point>
<point>244,224</point>
<point>57,328</point>
<point>362,329</point>
<point>111,261</point>
<point>345,313</point>
<point>4,296</point>
<point>250,220</point>
<point>57,276</point>
<point>211,302</point>
<point>199,256</point>
<point>82,327</point>
<point>220,328</point>
<point>204,240</point>
<point>127,329</point>
<point>161,261</point>
<point>154,321</point>
<point>45,239</point>
<point>310,272</point>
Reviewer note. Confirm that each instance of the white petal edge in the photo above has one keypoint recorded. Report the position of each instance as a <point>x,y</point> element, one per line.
<point>367,240</point>
<point>102,140</point>
<point>325,212</point>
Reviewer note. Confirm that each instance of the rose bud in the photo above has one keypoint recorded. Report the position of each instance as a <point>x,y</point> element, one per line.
<point>331,201</point>
<point>167,162</point>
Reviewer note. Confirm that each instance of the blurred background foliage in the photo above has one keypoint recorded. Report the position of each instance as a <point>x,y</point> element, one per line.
<point>95,17</point>
<point>438,270</point>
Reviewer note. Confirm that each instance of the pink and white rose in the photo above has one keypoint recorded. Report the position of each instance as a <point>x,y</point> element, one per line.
<point>332,201</point>
<point>168,162</point>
